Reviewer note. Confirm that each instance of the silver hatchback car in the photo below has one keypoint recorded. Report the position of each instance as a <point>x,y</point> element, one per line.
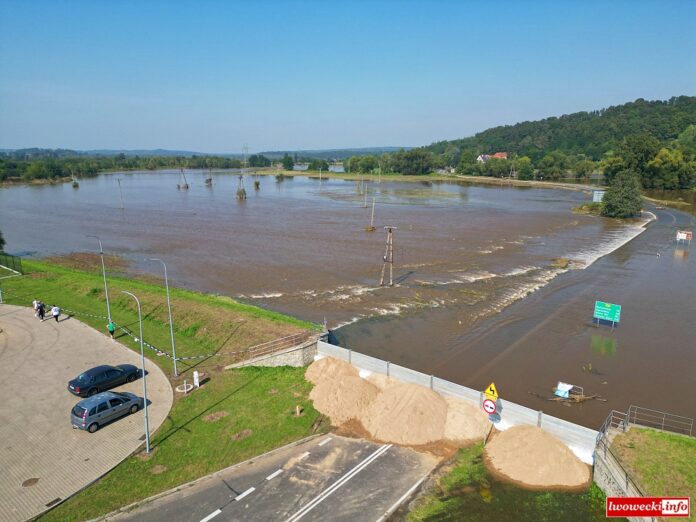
<point>94,412</point>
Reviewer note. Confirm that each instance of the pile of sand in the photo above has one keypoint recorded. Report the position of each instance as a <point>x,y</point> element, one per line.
<point>381,381</point>
<point>465,422</point>
<point>529,455</point>
<point>328,369</point>
<point>343,398</point>
<point>406,414</point>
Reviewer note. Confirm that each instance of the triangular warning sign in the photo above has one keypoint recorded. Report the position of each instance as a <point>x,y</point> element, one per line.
<point>491,392</point>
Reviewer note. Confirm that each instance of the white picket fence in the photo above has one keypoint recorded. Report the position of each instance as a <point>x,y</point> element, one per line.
<point>579,439</point>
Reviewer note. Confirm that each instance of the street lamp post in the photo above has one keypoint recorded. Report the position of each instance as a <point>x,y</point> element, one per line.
<point>142,362</point>
<point>106,288</point>
<point>169,307</point>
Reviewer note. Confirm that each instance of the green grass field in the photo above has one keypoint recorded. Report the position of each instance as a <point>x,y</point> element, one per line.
<point>203,324</point>
<point>465,491</point>
<point>663,464</point>
<point>236,415</point>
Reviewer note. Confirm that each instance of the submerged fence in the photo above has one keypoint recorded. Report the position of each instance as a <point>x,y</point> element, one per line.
<point>579,439</point>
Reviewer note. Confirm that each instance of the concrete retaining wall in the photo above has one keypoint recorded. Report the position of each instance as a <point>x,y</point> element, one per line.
<point>579,439</point>
<point>301,355</point>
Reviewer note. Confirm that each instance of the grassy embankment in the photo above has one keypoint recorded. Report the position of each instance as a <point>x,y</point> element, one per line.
<point>663,464</point>
<point>236,415</point>
<point>464,490</point>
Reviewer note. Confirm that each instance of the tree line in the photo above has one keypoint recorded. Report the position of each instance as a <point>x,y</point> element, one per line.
<point>52,166</point>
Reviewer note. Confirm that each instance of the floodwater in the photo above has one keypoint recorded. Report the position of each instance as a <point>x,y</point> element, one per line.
<point>465,256</point>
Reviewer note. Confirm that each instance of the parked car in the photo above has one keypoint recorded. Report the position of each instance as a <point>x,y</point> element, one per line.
<point>94,412</point>
<point>102,378</point>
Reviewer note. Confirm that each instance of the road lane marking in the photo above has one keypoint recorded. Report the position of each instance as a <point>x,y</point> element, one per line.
<point>391,510</point>
<point>340,482</point>
<point>327,439</point>
<point>247,492</point>
<point>274,474</point>
<point>212,515</point>
<point>304,455</point>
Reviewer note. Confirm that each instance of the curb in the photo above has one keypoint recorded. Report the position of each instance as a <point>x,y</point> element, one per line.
<point>175,489</point>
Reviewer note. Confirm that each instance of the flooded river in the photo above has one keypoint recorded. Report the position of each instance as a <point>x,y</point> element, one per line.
<point>465,256</point>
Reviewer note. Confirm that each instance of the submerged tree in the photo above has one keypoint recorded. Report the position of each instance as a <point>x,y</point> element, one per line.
<point>623,199</point>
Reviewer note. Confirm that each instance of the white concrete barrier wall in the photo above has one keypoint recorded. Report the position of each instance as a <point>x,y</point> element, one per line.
<point>579,439</point>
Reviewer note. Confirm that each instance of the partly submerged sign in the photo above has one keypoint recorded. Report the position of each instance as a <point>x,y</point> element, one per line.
<point>684,235</point>
<point>597,196</point>
<point>607,311</point>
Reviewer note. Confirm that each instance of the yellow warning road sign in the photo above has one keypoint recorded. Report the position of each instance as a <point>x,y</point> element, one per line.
<point>491,392</point>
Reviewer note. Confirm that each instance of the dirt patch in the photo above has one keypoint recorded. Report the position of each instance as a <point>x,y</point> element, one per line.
<point>343,398</point>
<point>29,482</point>
<point>353,429</point>
<point>143,455</point>
<point>158,469</point>
<point>465,422</point>
<point>212,417</point>
<point>272,391</point>
<point>329,369</point>
<point>407,414</point>
<point>242,434</point>
<point>88,261</point>
<point>530,457</point>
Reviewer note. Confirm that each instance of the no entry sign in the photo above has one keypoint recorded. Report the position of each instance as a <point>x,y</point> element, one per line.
<point>489,406</point>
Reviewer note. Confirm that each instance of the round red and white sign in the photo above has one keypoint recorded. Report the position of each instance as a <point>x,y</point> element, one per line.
<point>489,406</point>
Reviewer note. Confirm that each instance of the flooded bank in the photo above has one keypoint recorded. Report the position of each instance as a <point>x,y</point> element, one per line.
<point>464,257</point>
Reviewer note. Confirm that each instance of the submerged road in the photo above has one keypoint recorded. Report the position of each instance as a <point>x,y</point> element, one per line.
<point>647,360</point>
<point>325,478</point>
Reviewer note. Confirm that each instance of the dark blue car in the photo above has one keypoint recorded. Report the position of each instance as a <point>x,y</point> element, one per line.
<point>102,378</point>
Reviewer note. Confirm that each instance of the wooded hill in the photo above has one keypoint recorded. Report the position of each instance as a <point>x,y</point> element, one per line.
<point>592,134</point>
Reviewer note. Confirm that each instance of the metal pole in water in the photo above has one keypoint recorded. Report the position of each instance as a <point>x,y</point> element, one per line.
<point>120,193</point>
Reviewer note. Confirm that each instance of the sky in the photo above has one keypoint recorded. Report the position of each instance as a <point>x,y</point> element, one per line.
<point>211,76</point>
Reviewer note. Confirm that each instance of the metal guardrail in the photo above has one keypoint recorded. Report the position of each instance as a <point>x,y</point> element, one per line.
<point>277,345</point>
<point>617,470</point>
<point>660,420</point>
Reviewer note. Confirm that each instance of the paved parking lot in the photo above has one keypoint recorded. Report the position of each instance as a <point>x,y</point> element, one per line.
<point>324,478</point>
<point>42,459</point>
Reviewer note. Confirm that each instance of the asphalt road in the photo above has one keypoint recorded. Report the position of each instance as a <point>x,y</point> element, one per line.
<point>326,478</point>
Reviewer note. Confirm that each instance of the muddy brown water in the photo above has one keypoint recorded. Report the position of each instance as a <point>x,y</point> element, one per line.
<point>465,258</point>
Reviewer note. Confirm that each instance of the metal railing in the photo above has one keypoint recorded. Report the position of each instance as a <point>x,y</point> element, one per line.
<point>660,420</point>
<point>277,345</point>
<point>618,471</point>
<point>13,263</point>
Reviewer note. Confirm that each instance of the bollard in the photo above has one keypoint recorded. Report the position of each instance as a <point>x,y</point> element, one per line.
<point>388,363</point>
<point>431,382</point>
<point>350,356</point>
<point>539,416</point>
<point>185,388</point>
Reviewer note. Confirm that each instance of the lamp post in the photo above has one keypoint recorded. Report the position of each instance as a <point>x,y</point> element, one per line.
<point>142,362</point>
<point>106,288</point>
<point>169,307</point>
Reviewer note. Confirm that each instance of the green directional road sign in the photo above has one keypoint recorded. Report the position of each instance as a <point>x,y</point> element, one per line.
<point>607,311</point>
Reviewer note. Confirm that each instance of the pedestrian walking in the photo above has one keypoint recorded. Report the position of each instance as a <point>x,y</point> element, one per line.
<point>35,305</point>
<point>112,328</point>
<point>41,308</point>
<point>55,312</point>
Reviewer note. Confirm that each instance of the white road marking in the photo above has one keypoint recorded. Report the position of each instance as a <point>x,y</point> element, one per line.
<point>340,482</point>
<point>274,474</point>
<point>327,439</point>
<point>247,492</point>
<point>212,515</point>
<point>304,455</point>
<point>391,510</point>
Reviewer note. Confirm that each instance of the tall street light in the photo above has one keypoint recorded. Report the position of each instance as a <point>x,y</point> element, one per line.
<point>142,362</point>
<point>169,307</point>
<point>106,288</point>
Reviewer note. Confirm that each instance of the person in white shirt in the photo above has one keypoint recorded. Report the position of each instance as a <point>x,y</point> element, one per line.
<point>35,304</point>
<point>55,312</point>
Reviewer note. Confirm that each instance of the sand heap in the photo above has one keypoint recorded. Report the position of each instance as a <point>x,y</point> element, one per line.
<point>381,381</point>
<point>465,422</point>
<point>343,398</point>
<point>406,414</point>
<point>529,455</point>
<point>328,369</point>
